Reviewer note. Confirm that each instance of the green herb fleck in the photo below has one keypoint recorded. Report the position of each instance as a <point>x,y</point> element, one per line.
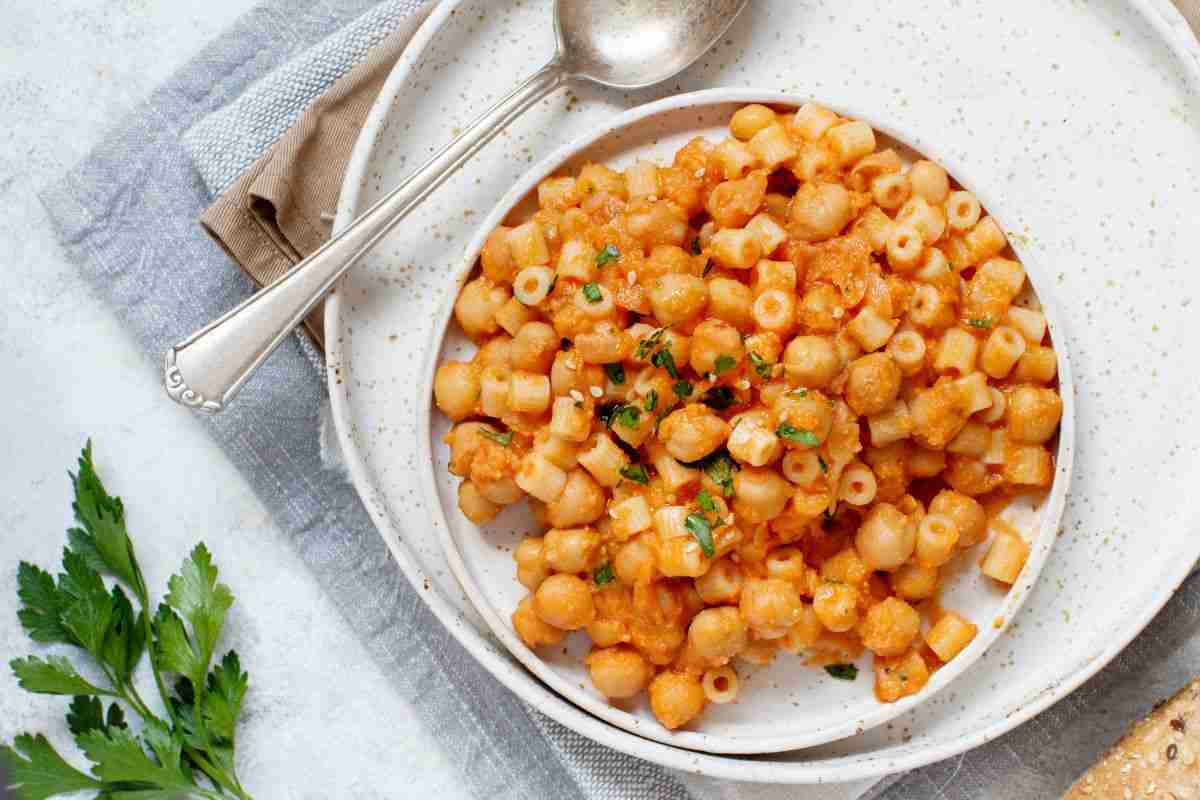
<point>824,466</point>
<point>706,502</point>
<point>707,269</point>
<point>719,398</point>
<point>724,363</point>
<point>635,473</point>
<point>793,434</point>
<point>606,412</point>
<point>665,360</point>
<point>980,322</point>
<point>627,416</point>
<point>701,528</point>
<point>502,439</point>
<point>801,392</point>
<point>682,388</point>
<point>697,248</point>
<point>843,672</point>
<point>651,400</point>
<point>719,468</point>
<point>645,346</point>
<point>761,366</point>
<point>616,373</point>
<point>609,254</point>
<point>604,574</point>
<point>592,292</point>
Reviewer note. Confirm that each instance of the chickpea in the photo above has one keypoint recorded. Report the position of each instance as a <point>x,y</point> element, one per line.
<point>634,562</point>
<point>890,627</point>
<point>564,601</point>
<point>477,304</point>
<point>759,494</point>
<point>915,581</point>
<point>731,204</point>
<point>676,297</point>
<point>937,535</point>
<point>676,698</point>
<point>571,550</point>
<point>770,606</point>
<point>532,568</point>
<point>618,672</point>
<point>496,351</point>
<point>660,643</point>
<point>712,339</point>
<point>836,606</point>
<point>1033,414</point>
<point>749,120</point>
<point>534,347</point>
<point>692,432</point>
<point>811,361</point>
<point>717,633</point>
<point>819,211</point>
<point>930,182</point>
<point>456,389</point>
<point>787,563</point>
<point>967,514</point>
<point>873,384</point>
<point>810,412</point>
<point>582,501</point>
<point>721,584</point>
<point>614,611</point>
<point>532,630</point>
<point>886,538</point>
<point>846,567</point>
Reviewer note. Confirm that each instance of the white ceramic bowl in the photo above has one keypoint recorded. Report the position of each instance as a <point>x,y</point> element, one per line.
<point>784,706</point>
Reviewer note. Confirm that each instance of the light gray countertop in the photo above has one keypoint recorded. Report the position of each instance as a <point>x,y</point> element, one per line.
<point>321,720</point>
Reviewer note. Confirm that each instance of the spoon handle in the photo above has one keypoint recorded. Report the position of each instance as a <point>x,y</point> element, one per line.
<point>206,370</point>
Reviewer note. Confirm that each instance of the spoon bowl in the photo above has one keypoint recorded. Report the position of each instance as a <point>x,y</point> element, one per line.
<point>638,43</point>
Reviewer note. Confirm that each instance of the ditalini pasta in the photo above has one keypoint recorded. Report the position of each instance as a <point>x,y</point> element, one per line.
<point>757,399</point>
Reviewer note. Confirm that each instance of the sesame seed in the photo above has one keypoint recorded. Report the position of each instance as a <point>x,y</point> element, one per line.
<point>596,391</point>
<point>699,173</point>
<point>631,277</point>
<point>577,395</point>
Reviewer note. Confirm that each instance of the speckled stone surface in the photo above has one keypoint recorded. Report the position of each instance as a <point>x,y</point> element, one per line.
<point>321,720</point>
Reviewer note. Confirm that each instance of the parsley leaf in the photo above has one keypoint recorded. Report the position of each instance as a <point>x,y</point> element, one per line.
<point>42,606</point>
<point>701,528</point>
<point>36,770</point>
<point>616,373</point>
<point>604,574</point>
<point>87,713</point>
<point>665,360</point>
<point>628,416</point>
<point>651,400</point>
<point>706,502</point>
<point>502,439</point>
<point>103,519</point>
<point>981,322</point>
<point>119,757</point>
<point>196,595</point>
<point>824,466</point>
<point>635,473</point>
<point>609,254</point>
<point>843,672</point>
<point>719,468</point>
<point>682,388</point>
<point>227,685</point>
<point>55,675</point>
<point>761,366</point>
<point>650,342</point>
<point>719,398</point>
<point>592,292</point>
<point>793,434</point>
<point>724,363</point>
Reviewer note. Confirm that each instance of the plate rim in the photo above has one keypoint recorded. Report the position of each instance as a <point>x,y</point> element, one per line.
<point>1006,609</point>
<point>1170,26</point>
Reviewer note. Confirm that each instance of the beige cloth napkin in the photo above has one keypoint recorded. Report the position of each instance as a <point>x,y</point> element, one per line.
<point>281,209</point>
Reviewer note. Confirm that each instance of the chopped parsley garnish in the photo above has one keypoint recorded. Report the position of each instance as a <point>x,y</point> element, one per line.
<point>665,360</point>
<point>553,283</point>
<point>760,365</point>
<point>609,254</point>
<point>801,392</point>
<point>606,411</point>
<point>824,466</point>
<point>627,416</point>
<point>707,269</point>
<point>682,388</point>
<point>645,346</point>
<point>616,373</point>
<point>566,343</point>
<point>502,439</point>
<point>592,292</point>
<point>635,473</point>
<point>697,248</point>
<point>843,672</point>
<point>724,363</point>
<point>706,502</point>
<point>981,322</point>
<point>719,468</point>
<point>604,574</point>
<point>719,398</point>
<point>651,400</point>
<point>794,434</point>
<point>701,528</point>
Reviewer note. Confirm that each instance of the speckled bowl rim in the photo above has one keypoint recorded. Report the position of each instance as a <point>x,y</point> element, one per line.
<point>1169,24</point>
<point>875,712</point>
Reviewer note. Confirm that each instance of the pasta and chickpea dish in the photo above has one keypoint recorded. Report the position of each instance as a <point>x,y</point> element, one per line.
<point>758,398</point>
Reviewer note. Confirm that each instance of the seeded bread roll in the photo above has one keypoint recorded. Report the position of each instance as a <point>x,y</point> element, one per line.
<point>1159,758</point>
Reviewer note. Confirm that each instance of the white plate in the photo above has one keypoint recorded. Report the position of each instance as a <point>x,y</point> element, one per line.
<point>784,706</point>
<point>1091,137</point>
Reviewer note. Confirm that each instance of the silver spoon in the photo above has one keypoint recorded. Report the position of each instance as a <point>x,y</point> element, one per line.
<point>624,44</point>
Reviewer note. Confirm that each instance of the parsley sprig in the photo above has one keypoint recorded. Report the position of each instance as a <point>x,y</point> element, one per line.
<point>189,751</point>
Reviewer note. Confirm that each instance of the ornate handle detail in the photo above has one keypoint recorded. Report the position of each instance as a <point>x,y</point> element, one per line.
<point>208,368</point>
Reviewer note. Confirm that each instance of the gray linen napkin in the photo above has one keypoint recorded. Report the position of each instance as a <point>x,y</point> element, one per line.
<point>126,214</point>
